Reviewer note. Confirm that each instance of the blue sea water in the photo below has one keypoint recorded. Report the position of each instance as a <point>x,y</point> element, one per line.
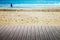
<point>29,1</point>
<point>6,3</point>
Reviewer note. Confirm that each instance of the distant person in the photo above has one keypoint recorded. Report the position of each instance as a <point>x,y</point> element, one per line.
<point>11,5</point>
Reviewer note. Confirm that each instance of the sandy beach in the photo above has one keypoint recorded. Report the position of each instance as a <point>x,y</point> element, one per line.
<point>30,16</point>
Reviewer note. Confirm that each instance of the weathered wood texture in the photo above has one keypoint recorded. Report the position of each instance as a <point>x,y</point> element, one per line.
<point>29,32</point>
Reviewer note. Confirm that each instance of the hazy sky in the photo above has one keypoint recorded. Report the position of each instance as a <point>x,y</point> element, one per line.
<point>29,1</point>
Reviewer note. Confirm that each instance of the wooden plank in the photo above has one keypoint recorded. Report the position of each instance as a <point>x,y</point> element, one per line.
<point>45,33</point>
<point>30,33</point>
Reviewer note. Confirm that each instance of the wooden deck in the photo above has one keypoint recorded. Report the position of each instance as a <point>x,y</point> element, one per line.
<point>29,32</point>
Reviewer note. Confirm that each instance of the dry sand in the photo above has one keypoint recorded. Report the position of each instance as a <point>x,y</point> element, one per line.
<point>29,18</point>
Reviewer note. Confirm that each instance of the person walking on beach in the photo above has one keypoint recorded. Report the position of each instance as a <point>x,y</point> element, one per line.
<point>11,5</point>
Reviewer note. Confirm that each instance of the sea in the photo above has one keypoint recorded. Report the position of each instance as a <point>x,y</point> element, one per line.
<point>29,3</point>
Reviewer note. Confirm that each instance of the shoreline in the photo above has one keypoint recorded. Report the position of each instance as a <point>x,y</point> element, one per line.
<point>32,9</point>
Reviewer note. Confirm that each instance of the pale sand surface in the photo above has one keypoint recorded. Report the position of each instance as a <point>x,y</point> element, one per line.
<point>29,18</point>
